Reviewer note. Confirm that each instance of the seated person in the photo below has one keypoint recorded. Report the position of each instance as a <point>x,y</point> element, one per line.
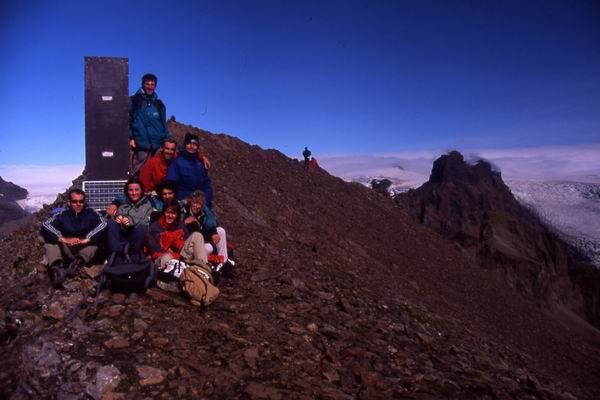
<point>168,239</point>
<point>188,172</point>
<point>130,223</point>
<point>164,192</point>
<point>199,218</point>
<point>71,236</point>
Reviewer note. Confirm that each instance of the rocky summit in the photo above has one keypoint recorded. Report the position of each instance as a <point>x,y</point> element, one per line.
<point>10,212</point>
<point>338,294</point>
<point>471,205</point>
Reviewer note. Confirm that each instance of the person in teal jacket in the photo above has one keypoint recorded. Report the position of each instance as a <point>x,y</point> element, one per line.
<point>147,121</point>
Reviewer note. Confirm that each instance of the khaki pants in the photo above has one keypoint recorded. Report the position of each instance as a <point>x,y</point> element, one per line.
<point>60,252</point>
<point>193,249</point>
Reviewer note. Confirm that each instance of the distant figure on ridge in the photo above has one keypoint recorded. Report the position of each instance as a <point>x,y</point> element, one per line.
<point>71,236</point>
<point>306,154</point>
<point>188,172</point>
<point>147,121</point>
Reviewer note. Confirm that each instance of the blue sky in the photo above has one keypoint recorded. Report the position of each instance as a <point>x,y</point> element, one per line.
<point>338,76</point>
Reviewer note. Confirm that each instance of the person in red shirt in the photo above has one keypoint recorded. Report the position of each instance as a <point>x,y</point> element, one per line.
<point>155,169</point>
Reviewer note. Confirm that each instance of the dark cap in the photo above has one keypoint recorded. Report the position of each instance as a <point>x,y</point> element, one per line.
<point>190,138</point>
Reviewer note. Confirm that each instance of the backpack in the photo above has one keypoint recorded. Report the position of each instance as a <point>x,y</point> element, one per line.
<point>125,276</point>
<point>197,283</point>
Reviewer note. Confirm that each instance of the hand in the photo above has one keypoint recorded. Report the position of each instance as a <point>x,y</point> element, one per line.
<point>119,219</point>
<point>111,210</point>
<point>132,143</point>
<point>70,241</point>
<point>125,221</point>
<point>205,161</point>
<point>189,220</point>
<point>215,238</point>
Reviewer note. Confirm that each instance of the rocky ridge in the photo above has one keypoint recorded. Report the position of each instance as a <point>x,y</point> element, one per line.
<point>471,205</point>
<point>338,295</point>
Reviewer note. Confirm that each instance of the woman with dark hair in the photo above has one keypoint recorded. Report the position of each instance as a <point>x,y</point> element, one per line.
<point>169,240</point>
<point>130,223</point>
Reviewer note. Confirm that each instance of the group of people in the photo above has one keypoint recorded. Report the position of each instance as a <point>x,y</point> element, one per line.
<point>165,212</point>
<point>309,162</point>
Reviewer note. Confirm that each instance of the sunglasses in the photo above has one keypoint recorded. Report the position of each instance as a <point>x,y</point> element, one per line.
<point>77,201</point>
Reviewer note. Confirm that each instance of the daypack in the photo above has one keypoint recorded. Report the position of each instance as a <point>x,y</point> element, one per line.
<point>126,276</point>
<point>197,283</point>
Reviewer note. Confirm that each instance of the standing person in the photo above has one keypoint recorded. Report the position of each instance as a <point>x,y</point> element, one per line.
<point>147,121</point>
<point>130,223</point>
<point>313,163</point>
<point>188,173</point>
<point>306,154</point>
<point>71,236</point>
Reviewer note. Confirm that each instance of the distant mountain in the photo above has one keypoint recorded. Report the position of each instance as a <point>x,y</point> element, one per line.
<point>471,205</point>
<point>9,209</point>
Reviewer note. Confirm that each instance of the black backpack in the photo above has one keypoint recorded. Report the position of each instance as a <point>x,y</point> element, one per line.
<point>123,275</point>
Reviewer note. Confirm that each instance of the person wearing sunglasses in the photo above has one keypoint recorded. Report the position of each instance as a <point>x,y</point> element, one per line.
<point>71,237</point>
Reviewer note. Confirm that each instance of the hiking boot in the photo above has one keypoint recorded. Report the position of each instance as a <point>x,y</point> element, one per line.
<point>75,267</point>
<point>57,273</point>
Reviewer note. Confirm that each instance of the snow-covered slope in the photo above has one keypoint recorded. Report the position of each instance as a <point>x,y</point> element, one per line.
<point>571,209</point>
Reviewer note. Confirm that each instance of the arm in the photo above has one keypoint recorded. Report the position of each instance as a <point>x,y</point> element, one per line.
<point>97,225</point>
<point>51,229</point>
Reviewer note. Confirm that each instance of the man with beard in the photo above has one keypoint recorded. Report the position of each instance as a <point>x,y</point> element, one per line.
<point>71,236</point>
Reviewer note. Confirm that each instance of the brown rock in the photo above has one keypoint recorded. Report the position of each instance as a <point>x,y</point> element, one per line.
<point>117,343</point>
<point>150,375</point>
<point>251,357</point>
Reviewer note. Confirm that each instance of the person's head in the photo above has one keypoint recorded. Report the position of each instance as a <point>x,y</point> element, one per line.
<point>149,82</point>
<point>134,190</point>
<point>171,211</point>
<point>197,199</point>
<point>191,143</point>
<point>166,191</point>
<point>168,148</point>
<point>76,200</point>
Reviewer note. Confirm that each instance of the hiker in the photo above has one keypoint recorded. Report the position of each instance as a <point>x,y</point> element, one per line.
<point>168,240</point>
<point>306,154</point>
<point>154,171</point>
<point>72,236</point>
<point>188,173</point>
<point>165,192</point>
<point>313,163</point>
<point>147,122</point>
<point>130,223</point>
<point>197,217</point>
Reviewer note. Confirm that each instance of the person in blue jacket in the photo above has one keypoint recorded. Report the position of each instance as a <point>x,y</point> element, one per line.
<point>147,121</point>
<point>188,173</point>
<point>72,236</point>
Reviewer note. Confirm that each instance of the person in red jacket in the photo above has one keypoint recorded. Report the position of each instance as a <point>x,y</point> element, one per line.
<point>155,169</point>
<point>168,239</point>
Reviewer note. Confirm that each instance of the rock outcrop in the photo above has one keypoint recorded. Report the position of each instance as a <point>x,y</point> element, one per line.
<point>9,209</point>
<point>471,205</point>
<point>338,294</point>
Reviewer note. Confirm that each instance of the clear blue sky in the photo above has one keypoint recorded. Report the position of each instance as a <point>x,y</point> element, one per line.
<point>338,76</point>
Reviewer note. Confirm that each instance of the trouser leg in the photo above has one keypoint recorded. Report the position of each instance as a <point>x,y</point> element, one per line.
<point>222,245</point>
<point>136,238</point>
<point>140,157</point>
<point>53,253</point>
<point>193,248</point>
<point>115,237</point>
<point>87,253</point>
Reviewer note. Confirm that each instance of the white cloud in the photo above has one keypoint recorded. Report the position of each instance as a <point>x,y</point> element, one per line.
<point>575,163</point>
